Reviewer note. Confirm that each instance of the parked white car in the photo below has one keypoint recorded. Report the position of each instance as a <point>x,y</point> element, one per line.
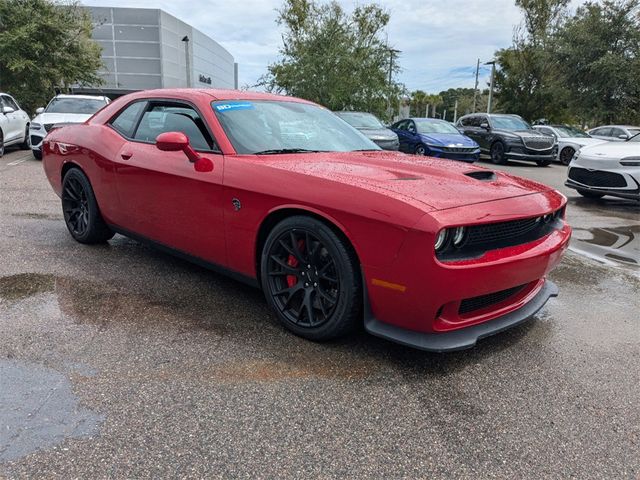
<point>614,133</point>
<point>570,140</point>
<point>14,124</point>
<point>62,109</point>
<point>611,168</point>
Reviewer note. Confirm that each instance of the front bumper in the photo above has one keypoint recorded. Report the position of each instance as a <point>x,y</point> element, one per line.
<point>628,194</point>
<point>391,144</point>
<point>466,337</point>
<point>36,137</point>
<point>470,157</point>
<point>549,155</point>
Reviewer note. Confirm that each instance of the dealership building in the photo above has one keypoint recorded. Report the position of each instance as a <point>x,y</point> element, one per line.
<point>148,48</point>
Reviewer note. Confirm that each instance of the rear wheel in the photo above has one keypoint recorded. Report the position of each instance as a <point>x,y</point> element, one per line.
<point>566,155</point>
<point>311,279</point>
<point>80,209</point>
<point>498,153</point>
<point>543,163</point>
<point>590,194</point>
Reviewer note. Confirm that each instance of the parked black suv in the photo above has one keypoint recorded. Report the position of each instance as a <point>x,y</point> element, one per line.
<point>508,137</point>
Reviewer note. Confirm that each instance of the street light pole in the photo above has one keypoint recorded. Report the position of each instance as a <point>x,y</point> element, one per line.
<point>475,89</point>
<point>493,74</point>
<point>185,39</point>
<point>392,52</point>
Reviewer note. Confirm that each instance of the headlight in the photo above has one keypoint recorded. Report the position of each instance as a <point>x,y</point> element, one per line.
<point>35,126</point>
<point>458,236</point>
<point>441,239</point>
<point>630,162</point>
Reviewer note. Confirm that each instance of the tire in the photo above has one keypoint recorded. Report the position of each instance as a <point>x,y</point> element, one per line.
<point>37,154</point>
<point>589,194</point>
<point>420,150</point>
<point>566,155</point>
<point>543,163</point>
<point>1,144</point>
<point>497,153</point>
<point>80,209</point>
<point>26,145</point>
<point>316,291</point>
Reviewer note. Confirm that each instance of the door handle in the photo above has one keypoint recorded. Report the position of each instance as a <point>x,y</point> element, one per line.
<point>126,155</point>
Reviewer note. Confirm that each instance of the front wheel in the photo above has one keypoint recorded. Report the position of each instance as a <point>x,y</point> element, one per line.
<point>1,144</point>
<point>311,279</point>
<point>566,155</point>
<point>80,209</point>
<point>543,163</point>
<point>589,194</point>
<point>420,150</point>
<point>498,154</point>
<point>26,145</point>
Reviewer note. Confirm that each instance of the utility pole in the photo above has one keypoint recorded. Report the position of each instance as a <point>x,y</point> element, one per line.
<point>185,39</point>
<point>493,74</point>
<point>428,107</point>
<point>455,112</point>
<point>392,52</point>
<point>475,89</point>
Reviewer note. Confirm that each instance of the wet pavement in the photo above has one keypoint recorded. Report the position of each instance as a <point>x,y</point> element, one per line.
<point>121,361</point>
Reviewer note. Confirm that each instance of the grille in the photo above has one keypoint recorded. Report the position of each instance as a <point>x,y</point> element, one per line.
<point>597,178</point>
<point>538,143</point>
<point>476,303</point>
<point>459,149</point>
<point>500,232</point>
<point>48,126</point>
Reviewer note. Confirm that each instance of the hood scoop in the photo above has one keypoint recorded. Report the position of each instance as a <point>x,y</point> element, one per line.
<point>482,175</point>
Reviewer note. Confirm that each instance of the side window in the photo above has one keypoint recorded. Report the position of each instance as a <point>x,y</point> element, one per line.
<point>605,132</point>
<point>473,121</point>
<point>10,102</point>
<point>616,132</point>
<point>402,125</point>
<point>546,131</point>
<point>125,122</point>
<point>171,117</point>
<point>411,126</point>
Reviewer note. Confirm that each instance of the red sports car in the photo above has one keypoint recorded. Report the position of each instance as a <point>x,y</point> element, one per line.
<point>281,193</point>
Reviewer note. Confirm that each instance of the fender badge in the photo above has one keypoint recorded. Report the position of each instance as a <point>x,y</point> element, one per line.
<point>236,204</point>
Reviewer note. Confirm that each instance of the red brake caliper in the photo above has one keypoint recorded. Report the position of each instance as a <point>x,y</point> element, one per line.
<point>293,261</point>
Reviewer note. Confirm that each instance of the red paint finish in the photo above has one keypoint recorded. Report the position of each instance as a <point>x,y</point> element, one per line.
<point>389,205</point>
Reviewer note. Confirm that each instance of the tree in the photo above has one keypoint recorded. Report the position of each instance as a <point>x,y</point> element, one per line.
<point>338,60</point>
<point>599,53</point>
<point>45,46</point>
<point>527,81</point>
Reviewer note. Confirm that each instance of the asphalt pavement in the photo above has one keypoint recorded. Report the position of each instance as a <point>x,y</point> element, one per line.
<point>121,361</point>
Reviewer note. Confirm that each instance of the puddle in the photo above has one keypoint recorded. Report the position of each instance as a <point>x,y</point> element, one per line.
<point>613,245</point>
<point>23,285</point>
<point>38,410</point>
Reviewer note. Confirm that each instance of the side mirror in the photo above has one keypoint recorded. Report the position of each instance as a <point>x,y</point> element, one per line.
<point>39,110</point>
<point>484,125</point>
<point>623,137</point>
<point>178,141</point>
<point>6,110</point>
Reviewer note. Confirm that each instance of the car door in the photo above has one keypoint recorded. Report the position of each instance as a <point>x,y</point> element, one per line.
<point>403,135</point>
<point>165,199</point>
<point>603,133</point>
<point>15,124</point>
<point>471,127</point>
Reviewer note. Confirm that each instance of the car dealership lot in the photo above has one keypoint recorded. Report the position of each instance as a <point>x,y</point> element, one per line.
<point>122,361</point>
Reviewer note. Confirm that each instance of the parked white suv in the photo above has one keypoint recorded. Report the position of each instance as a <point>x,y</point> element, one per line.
<point>14,124</point>
<point>62,109</point>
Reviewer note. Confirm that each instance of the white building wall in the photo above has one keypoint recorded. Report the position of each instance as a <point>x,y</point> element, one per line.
<point>211,62</point>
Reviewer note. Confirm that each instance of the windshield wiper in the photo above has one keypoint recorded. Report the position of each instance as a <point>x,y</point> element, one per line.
<point>276,151</point>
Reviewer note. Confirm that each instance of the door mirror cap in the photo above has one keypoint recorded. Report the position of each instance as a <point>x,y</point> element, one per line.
<point>39,110</point>
<point>623,137</point>
<point>178,141</point>
<point>6,110</point>
<point>484,125</point>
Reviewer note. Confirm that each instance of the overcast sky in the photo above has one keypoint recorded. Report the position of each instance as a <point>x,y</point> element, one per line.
<point>440,40</point>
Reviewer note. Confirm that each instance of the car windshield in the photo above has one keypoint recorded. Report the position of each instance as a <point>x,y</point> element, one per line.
<point>431,126</point>
<point>633,131</point>
<point>635,138</point>
<point>87,106</point>
<point>571,132</point>
<point>509,123</point>
<point>269,127</point>
<point>360,119</point>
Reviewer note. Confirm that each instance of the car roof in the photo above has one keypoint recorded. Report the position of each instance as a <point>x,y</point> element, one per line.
<point>213,94</point>
<point>422,119</point>
<point>88,97</point>
<point>617,126</point>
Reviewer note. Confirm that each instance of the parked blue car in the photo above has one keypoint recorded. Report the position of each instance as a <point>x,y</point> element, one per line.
<point>435,138</point>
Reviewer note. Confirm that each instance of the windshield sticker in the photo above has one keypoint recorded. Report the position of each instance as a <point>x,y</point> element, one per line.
<point>228,106</point>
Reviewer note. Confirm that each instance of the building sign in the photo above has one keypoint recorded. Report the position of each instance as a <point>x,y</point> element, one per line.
<point>204,79</point>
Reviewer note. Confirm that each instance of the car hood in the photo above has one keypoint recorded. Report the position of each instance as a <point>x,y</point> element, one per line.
<point>424,182</point>
<point>447,140</point>
<point>378,133</point>
<point>614,150</point>
<point>49,118</point>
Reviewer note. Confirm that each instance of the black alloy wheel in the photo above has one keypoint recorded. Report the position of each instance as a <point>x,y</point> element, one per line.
<point>26,145</point>
<point>498,154</point>
<point>311,279</point>
<point>1,144</point>
<point>421,150</point>
<point>80,210</point>
<point>566,155</point>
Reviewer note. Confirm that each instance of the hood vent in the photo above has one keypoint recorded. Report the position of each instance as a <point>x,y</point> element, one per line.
<point>482,175</point>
